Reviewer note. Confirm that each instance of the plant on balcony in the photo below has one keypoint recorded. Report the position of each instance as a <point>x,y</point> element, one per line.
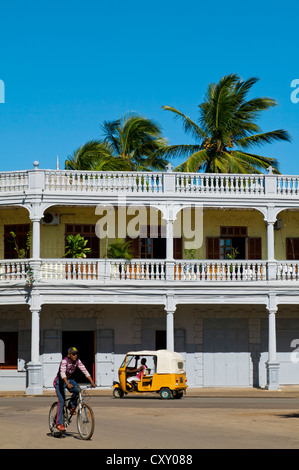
<point>22,252</point>
<point>226,130</point>
<point>120,250</point>
<point>76,247</point>
<point>233,255</point>
<point>190,253</point>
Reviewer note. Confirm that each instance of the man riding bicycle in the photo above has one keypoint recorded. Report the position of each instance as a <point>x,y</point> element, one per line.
<point>62,381</point>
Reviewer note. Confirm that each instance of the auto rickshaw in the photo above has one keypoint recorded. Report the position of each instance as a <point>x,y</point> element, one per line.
<point>164,374</point>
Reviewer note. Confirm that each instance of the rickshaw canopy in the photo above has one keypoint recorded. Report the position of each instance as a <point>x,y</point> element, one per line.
<point>167,362</point>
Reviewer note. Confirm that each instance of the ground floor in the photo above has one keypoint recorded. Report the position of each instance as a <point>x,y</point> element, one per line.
<point>223,345</point>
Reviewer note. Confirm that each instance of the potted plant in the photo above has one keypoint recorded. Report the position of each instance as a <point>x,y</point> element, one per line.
<point>120,249</point>
<point>233,255</point>
<point>76,248</point>
<point>23,253</point>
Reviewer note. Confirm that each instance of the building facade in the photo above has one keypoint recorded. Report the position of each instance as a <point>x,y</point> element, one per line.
<point>214,274</point>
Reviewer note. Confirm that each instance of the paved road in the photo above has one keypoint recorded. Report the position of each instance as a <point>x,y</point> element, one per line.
<point>149,423</point>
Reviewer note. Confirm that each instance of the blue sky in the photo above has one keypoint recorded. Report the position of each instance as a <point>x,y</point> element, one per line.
<point>69,65</point>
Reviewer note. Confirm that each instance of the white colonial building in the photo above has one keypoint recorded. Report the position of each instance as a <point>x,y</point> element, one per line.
<point>214,275</point>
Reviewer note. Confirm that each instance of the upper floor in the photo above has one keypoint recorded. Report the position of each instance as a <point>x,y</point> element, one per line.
<point>182,227</point>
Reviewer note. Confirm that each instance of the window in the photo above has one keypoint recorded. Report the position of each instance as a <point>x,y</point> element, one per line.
<point>8,350</point>
<point>233,231</point>
<point>234,242</point>
<point>155,248</point>
<point>88,232</point>
<point>21,231</point>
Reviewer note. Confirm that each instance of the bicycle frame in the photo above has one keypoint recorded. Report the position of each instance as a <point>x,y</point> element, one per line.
<point>84,413</point>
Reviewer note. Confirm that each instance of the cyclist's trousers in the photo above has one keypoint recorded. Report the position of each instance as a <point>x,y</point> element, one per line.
<point>60,387</point>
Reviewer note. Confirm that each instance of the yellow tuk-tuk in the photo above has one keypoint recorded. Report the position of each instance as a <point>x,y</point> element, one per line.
<point>164,374</point>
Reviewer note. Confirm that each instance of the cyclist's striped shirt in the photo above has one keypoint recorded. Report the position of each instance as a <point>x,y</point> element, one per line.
<point>67,368</point>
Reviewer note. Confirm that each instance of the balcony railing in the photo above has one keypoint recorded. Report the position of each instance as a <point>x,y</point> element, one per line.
<point>103,270</point>
<point>69,181</point>
<point>14,182</point>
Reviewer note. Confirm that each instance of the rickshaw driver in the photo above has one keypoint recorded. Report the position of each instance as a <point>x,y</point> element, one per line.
<point>139,371</point>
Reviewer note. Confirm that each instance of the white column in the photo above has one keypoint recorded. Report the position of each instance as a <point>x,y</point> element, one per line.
<point>34,367</point>
<point>170,308</point>
<point>35,238</point>
<point>272,364</point>
<point>170,330</point>
<point>169,240</point>
<point>35,340</point>
<point>271,263</point>
<point>270,241</point>
<point>272,336</point>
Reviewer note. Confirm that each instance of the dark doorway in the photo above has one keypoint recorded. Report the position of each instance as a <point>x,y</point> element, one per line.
<point>84,342</point>
<point>160,339</point>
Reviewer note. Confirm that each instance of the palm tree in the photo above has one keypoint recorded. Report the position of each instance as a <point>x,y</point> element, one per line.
<point>226,131</point>
<point>94,155</point>
<point>137,141</point>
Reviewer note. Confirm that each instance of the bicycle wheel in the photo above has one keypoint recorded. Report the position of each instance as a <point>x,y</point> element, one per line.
<point>52,420</point>
<point>85,421</point>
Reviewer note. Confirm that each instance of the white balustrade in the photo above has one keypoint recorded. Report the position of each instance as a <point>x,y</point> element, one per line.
<point>104,182</point>
<point>220,270</point>
<point>287,270</point>
<point>14,270</point>
<point>287,185</point>
<point>15,181</point>
<point>102,270</point>
<point>205,183</point>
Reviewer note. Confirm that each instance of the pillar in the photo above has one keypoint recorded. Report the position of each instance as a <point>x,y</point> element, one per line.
<point>271,263</point>
<point>270,241</point>
<point>170,309</point>
<point>170,330</point>
<point>272,364</point>
<point>34,367</point>
<point>169,240</point>
<point>35,238</point>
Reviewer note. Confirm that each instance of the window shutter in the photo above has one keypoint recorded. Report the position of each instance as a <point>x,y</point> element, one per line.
<point>178,248</point>
<point>292,247</point>
<point>213,248</point>
<point>254,248</point>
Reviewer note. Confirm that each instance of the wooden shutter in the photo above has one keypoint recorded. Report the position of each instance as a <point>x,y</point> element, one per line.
<point>292,247</point>
<point>213,248</point>
<point>178,248</point>
<point>254,248</point>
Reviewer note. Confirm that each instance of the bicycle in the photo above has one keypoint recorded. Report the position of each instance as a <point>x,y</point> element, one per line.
<point>85,416</point>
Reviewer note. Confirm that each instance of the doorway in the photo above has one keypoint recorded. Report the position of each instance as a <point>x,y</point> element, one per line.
<point>84,341</point>
<point>160,339</point>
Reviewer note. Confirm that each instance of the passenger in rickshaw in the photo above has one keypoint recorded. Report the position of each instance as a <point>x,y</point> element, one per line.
<point>137,371</point>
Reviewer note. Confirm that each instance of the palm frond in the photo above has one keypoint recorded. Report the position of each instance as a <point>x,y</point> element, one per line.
<point>190,127</point>
<point>264,138</point>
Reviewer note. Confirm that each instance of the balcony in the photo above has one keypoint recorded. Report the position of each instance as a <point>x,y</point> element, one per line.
<point>115,271</point>
<point>155,183</point>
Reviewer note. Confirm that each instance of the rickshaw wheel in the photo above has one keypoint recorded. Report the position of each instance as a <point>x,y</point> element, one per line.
<point>165,393</point>
<point>118,393</point>
<point>177,394</point>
